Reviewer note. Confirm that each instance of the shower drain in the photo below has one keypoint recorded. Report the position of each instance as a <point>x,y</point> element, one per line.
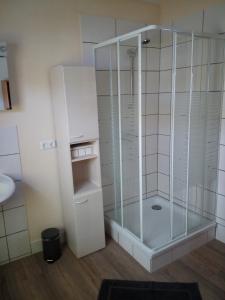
<point>156,207</point>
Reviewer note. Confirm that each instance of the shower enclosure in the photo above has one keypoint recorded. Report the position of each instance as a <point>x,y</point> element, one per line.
<point>159,102</point>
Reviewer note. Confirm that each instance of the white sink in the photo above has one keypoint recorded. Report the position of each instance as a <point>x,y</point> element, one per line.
<point>7,188</point>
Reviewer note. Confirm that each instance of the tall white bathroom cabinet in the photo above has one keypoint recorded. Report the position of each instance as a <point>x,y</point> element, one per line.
<point>76,126</point>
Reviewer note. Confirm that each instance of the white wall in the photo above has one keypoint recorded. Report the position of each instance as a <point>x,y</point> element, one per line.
<point>42,34</point>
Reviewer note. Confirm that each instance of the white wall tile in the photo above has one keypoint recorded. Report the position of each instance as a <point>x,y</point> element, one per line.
<point>88,54</point>
<point>152,182</point>
<point>183,80</point>
<point>106,152</point>
<point>151,124</point>
<point>164,144</point>
<point>166,58</point>
<point>9,140</point>
<point>215,77</point>
<point>2,226</point>
<point>108,194</point>
<point>152,82</point>
<point>221,183</point>
<point>151,164</point>
<point>222,158</point>
<point>164,124</point>
<point>191,22</point>
<point>164,103</point>
<point>163,183</point>
<point>107,174</point>
<point>125,82</point>
<point>165,81</point>
<point>143,146</point>
<point>3,250</point>
<point>97,29</point>
<point>10,165</point>
<point>163,164</point>
<point>106,58</point>
<point>223,106</point>
<point>183,58</point>
<point>18,244</point>
<point>222,134</point>
<point>152,59</point>
<point>151,144</point>
<point>166,38</point>
<point>220,211</point>
<point>15,220</point>
<point>103,83</point>
<point>151,104</point>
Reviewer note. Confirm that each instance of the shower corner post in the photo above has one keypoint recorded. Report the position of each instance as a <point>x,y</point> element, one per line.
<point>189,133</point>
<point>173,100</point>
<point>120,130</point>
<point>140,135</point>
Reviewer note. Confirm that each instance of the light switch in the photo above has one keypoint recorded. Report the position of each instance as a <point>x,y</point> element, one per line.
<point>47,144</point>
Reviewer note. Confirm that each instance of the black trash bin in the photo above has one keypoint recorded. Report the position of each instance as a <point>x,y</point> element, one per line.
<point>51,245</point>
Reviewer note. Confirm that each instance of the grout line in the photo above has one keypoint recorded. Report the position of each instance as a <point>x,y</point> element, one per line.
<point>6,236</point>
<point>7,209</point>
<point>11,154</point>
<point>168,92</point>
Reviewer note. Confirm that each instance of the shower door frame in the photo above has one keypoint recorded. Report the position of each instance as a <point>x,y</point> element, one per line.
<point>123,39</point>
<point>137,33</point>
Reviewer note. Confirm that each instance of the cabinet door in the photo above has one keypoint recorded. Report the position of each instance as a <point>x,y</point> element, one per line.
<point>81,100</point>
<point>89,224</point>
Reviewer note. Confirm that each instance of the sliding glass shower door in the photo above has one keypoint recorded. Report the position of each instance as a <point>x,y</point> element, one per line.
<point>130,133</point>
<point>106,61</point>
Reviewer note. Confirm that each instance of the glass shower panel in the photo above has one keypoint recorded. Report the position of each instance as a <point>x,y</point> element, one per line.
<point>205,128</point>
<point>108,114</point>
<point>128,54</point>
<point>182,60</point>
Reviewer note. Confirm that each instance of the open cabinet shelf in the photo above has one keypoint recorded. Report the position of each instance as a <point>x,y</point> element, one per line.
<point>85,187</point>
<point>84,158</point>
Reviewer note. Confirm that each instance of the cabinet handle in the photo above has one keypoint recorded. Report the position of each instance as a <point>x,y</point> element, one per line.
<point>78,136</point>
<point>81,202</point>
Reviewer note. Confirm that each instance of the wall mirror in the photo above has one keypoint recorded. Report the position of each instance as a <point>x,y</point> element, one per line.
<point>5,100</point>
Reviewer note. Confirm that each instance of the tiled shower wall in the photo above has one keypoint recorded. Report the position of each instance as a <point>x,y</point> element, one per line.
<point>212,21</point>
<point>103,29</point>
<point>14,237</point>
<point>156,114</point>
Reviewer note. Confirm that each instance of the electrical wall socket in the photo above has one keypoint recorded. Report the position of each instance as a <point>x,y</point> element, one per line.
<point>47,144</point>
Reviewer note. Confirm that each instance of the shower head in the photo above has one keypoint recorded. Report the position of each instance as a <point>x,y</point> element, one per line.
<point>145,42</point>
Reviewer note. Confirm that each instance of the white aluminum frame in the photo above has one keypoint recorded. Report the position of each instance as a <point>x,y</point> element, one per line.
<point>120,132</point>
<point>172,115</point>
<point>152,27</point>
<point>140,136</point>
<point>189,132</point>
<point>137,33</point>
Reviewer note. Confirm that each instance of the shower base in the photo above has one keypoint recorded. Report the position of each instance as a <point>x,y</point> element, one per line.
<point>153,254</point>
